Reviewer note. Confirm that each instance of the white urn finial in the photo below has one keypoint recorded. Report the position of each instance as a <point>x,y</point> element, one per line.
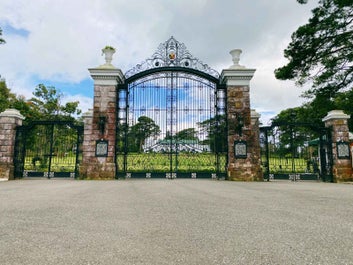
<point>108,52</point>
<point>236,58</point>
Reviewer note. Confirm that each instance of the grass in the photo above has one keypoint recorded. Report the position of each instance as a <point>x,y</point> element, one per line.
<point>183,162</point>
<point>136,162</point>
<point>159,163</point>
<point>289,165</point>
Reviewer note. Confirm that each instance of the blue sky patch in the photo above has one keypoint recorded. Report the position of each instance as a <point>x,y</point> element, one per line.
<point>7,29</point>
<point>85,87</point>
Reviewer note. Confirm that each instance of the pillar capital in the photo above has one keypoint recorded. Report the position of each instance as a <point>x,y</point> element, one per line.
<point>237,77</point>
<point>107,76</point>
<point>12,113</point>
<point>335,115</point>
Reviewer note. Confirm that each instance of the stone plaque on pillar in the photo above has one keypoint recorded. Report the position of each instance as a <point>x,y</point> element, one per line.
<point>343,150</point>
<point>240,149</point>
<point>101,148</point>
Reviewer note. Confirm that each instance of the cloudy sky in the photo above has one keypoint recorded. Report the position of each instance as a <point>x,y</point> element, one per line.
<point>55,42</point>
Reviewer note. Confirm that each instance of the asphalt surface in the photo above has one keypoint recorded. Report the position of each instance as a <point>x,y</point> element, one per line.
<point>175,222</point>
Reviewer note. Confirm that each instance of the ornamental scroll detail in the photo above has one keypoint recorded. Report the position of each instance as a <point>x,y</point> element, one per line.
<point>172,53</point>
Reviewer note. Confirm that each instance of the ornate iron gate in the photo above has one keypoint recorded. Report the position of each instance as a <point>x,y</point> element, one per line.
<point>171,118</point>
<point>296,151</point>
<point>48,149</point>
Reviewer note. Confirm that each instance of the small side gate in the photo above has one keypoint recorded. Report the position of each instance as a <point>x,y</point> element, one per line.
<point>296,151</point>
<point>48,149</point>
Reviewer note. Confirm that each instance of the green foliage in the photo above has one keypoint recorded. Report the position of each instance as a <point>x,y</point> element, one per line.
<point>295,127</point>
<point>47,105</point>
<point>108,48</point>
<point>138,133</point>
<point>216,129</point>
<point>186,134</point>
<point>6,97</point>
<point>2,41</point>
<point>321,51</point>
<point>315,110</point>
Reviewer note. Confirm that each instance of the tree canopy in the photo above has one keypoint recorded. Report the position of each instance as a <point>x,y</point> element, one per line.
<point>321,51</point>
<point>45,105</point>
<point>6,97</point>
<point>216,129</point>
<point>47,101</point>
<point>138,133</point>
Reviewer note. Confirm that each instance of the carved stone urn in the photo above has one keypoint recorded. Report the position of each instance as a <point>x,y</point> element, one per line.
<point>108,52</point>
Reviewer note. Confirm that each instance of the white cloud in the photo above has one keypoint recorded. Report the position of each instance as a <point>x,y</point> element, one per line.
<point>65,37</point>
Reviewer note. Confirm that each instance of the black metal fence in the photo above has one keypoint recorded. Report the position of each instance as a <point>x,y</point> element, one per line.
<point>48,149</point>
<point>296,151</point>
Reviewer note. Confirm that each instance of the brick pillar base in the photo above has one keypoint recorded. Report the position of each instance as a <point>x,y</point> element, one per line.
<point>342,166</point>
<point>9,120</point>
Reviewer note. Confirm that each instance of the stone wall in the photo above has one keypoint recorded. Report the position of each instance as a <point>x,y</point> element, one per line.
<point>9,120</point>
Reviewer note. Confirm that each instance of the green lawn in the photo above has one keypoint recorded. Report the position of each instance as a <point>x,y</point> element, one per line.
<point>183,162</point>
<point>288,165</point>
<point>136,162</point>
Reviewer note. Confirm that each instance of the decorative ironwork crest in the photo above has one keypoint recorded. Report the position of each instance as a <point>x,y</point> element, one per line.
<point>172,53</point>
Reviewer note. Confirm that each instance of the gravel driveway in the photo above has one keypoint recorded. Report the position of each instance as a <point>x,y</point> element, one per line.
<point>179,221</point>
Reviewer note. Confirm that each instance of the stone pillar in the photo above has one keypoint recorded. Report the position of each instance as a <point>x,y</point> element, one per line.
<point>342,166</point>
<point>9,120</point>
<point>243,131</point>
<point>100,124</point>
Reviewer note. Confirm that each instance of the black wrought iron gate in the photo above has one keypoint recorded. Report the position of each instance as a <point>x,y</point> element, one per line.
<point>296,151</point>
<point>48,149</point>
<point>171,118</point>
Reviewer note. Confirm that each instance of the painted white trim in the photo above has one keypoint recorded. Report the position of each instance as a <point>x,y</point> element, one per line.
<point>237,77</point>
<point>12,113</point>
<point>106,76</point>
<point>336,115</point>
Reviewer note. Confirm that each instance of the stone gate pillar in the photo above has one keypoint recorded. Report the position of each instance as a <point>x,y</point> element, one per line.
<point>100,124</point>
<point>9,120</point>
<point>342,165</point>
<point>244,161</point>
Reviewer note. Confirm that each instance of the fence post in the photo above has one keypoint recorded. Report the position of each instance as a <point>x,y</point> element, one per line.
<point>9,120</point>
<point>98,152</point>
<point>243,136</point>
<point>337,120</point>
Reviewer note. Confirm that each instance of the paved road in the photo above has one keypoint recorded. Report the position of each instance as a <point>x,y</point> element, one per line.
<point>175,222</point>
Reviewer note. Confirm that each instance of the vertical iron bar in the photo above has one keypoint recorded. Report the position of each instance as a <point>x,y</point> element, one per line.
<point>51,149</point>
<point>267,153</point>
<point>19,160</point>
<point>126,128</point>
<point>292,147</point>
<point>79,131</point>
<point>171,125</point>
<point>175,122</point>
<point>329,153</point>
<point>217,129</point>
